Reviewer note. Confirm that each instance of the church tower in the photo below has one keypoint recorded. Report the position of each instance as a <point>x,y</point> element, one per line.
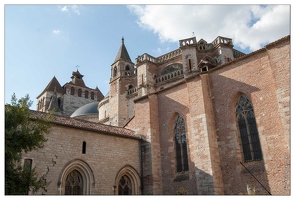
<point>123,78</point>
<point>51,98</point>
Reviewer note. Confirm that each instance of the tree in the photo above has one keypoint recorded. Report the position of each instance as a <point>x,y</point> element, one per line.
<point>23,133</point>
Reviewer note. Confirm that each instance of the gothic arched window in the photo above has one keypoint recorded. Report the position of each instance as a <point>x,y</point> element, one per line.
<point>180,145</point>
<point>248,129</point>
<point>74,183</point>
<point>92,95</point>
<point>125,186</point>
<point>127,73</point>
<point>79,93</point>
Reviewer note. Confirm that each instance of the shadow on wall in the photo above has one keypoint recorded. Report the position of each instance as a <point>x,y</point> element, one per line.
<point>237,179</point>
<point>253,178</point>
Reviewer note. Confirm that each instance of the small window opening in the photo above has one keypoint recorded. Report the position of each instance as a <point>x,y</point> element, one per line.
<point>59,102</point>
<point>84,148</point>
<point>189,64</point>
<point>72,91</point>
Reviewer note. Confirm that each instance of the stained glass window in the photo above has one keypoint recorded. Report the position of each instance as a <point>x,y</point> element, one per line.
<point>180,145</point>
<point>248,129</point>
<point>74,183</point>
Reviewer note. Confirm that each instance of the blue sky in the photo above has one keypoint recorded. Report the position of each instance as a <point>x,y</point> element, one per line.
<point>42,41</point>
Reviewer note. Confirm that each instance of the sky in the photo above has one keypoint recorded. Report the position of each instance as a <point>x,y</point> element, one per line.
<point>43,41</point>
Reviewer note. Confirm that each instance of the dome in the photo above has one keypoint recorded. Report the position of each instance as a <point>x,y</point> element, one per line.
<point>87,109</point>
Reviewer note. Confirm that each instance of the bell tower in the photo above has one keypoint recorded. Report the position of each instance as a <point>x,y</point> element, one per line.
<point>123,77</point>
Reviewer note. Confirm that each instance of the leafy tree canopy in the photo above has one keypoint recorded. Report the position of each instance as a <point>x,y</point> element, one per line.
<point>23,133</point>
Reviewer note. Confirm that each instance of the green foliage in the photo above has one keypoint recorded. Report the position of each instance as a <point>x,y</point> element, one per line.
<point>22,134</point>
<point>181,191</point>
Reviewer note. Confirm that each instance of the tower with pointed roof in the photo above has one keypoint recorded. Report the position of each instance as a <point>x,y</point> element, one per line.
<point>51,97</point>
<point>66,99</point>
<point>123,78</point>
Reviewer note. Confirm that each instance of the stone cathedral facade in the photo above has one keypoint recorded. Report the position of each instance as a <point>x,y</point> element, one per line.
<point>203,119</point>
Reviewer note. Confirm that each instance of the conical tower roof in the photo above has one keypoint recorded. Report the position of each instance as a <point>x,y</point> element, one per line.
<point>123,53</point>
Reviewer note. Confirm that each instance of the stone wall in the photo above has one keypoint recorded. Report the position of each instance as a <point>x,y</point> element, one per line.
<point>105,155</point>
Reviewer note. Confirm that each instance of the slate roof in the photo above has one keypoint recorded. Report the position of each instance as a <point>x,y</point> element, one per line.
<point>123,53</point>
<point>53,84</point>
<point>87,125</point>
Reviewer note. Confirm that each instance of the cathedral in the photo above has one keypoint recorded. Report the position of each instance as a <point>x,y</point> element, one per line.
<point>204,119</point>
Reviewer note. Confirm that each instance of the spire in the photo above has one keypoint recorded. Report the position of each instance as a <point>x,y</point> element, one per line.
<point>123,53</point>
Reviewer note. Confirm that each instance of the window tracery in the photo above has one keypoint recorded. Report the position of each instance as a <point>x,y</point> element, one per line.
<point>74,183</point>
<point>180,145</point>
<point>248,129</point>
<point>125,186</point>
<point>172,68</point>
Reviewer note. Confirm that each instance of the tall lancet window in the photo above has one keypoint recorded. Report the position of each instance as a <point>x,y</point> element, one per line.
<point>180,145</point>
<point>248,130</point>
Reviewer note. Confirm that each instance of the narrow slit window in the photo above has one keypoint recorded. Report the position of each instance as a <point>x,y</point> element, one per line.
<point>84,148</point>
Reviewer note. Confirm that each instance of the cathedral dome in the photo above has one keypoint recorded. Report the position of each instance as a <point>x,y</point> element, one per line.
<point>87,109</point>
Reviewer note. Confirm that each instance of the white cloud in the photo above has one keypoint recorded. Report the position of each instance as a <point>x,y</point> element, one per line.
<point>56,32</point>
<point>64,9</point>
<point>250,26</point>
<point>75,9</point>
<point>70,9</point>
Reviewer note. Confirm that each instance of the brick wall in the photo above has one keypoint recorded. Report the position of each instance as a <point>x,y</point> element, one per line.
<point>252,76</point>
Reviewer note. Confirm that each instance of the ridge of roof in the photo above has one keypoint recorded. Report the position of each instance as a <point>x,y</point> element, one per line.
<point>86,125</point>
